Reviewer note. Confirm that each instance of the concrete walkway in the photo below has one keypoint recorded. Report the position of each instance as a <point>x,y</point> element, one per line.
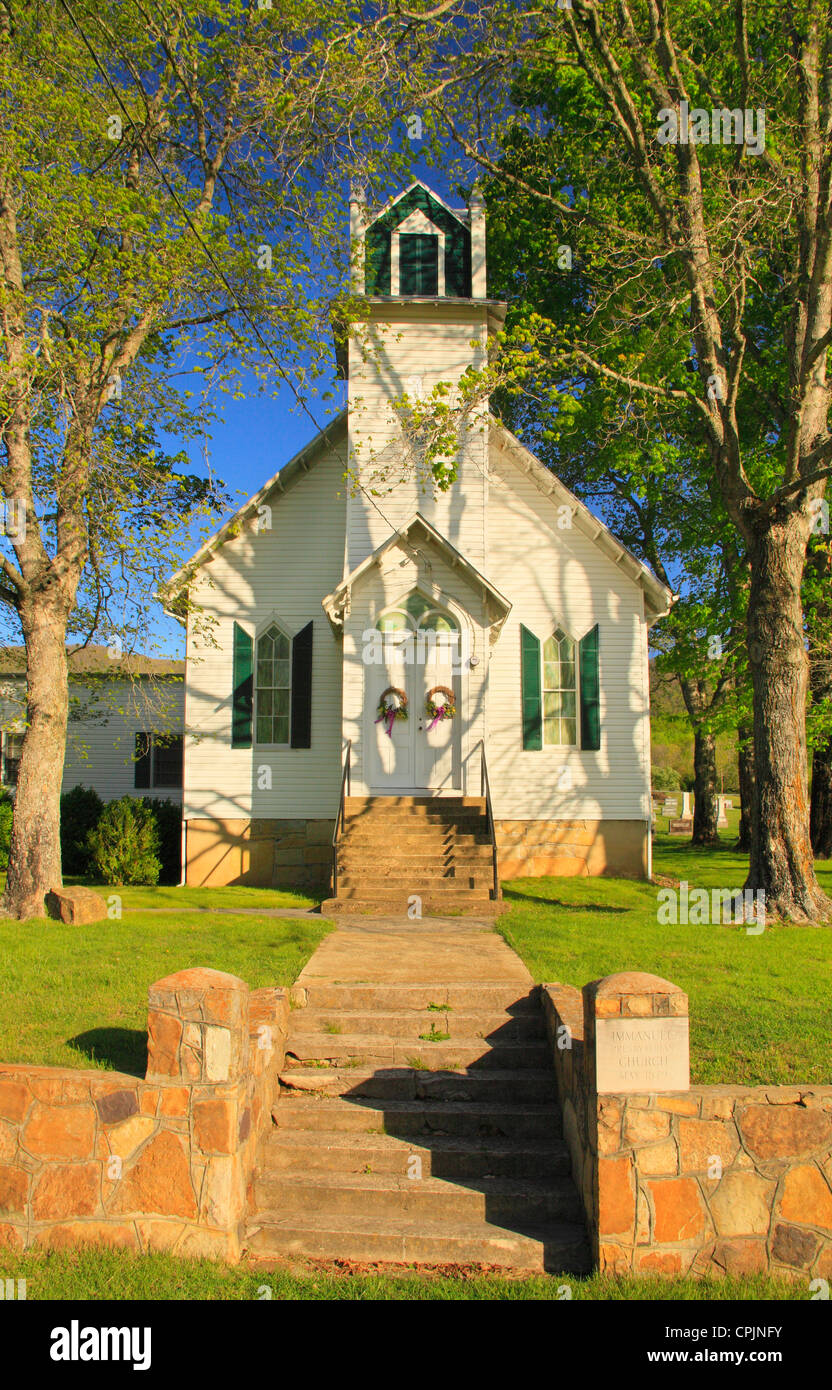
<point>396,950</point>
<point>418,1123</point>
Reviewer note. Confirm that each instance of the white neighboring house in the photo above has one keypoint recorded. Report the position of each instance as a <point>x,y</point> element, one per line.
<point>348,575</point>
<point>125,723</point>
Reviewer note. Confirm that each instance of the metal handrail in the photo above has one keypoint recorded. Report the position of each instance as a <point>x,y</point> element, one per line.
<point>341,817</point>
<point>485,790</point>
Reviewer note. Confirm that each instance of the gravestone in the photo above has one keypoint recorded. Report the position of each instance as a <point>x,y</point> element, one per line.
<point>687,806</point>
<point>680,827</point>
<point>670,807</point>
<point>722,818</point>
<point>636,1031</point>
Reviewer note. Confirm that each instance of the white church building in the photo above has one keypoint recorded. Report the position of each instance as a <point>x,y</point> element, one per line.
<point>454,676</point>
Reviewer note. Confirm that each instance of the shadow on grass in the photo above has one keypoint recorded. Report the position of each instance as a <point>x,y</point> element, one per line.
<point>122,1049</point>
<point>608,908</point>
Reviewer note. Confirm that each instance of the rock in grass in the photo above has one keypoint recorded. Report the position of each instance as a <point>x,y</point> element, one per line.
<point>77,906</point>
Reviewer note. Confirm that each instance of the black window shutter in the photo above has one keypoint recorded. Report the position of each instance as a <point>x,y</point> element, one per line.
<point>141,763</point>
<point>243,682</point>
<point>530,687</point>
<point>302,688</point>
<point>590,691</point>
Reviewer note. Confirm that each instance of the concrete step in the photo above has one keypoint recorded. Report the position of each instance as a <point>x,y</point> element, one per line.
<point>396,895</point>
<point>556,1248</point>
<point>395,906</point>
<point>494,1027</point>
<point>484,994</point>
<point>413,805</point>
<point>503,1201</point>
<point>437,1053</point>
<point>414,836</point>
<point>309,1151</point>
<point>433,860</point>
<point>410,1083</point>
<point>399,878</point>
<point>418,1121</point>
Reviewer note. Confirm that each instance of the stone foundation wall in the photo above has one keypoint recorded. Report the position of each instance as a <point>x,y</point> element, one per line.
<point>160,1164</point>
<point>561,848</point>
<point>715,1179</point>
<point>262,853</point>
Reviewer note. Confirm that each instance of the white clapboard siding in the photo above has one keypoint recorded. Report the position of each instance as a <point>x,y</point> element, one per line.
<point>104,718</point>
<point>413,341</point>
<point>560,577</point>
<point>258,577</point>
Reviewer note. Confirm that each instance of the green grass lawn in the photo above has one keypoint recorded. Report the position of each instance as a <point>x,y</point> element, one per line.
<point>77,996</point>
<point>108,1274</point>
<point>759,1005</point>
<point>133,897</point>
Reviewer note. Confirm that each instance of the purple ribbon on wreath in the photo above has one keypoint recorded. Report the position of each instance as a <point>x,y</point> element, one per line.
<point>389,717</point>
<point>440,715</point>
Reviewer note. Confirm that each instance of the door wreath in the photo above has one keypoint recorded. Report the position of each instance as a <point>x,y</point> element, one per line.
<point>391,706</point>
<point>437,710</point>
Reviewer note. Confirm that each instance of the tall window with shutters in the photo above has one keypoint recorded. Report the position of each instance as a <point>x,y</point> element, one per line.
<point>271,695</point>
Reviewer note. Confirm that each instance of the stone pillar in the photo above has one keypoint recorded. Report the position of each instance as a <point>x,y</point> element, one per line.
<point>636,1034</point>
<point>198,1027</point>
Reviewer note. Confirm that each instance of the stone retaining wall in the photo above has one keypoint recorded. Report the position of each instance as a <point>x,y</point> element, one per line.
<point>159,1164</point>
<point>715,1179</point>
<point>264,853</point>
<point>570,848</point>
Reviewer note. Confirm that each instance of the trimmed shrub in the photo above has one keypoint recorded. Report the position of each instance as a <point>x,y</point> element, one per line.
<point>124,845</point>
<point>6,813</point>
<point>80,810</point>
<point>168,816</point>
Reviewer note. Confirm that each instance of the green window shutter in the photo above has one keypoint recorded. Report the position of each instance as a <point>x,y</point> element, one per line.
<point>418,264</point>
<point>377,261</point>
<point>458,264</point>
<point>141,762</point>
<point>530,686</point>
<point>243,682</point>
<point>590,691</point>
<point>302,688</point>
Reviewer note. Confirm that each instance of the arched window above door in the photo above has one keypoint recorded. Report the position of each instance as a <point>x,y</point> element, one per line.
<point>416,613</point>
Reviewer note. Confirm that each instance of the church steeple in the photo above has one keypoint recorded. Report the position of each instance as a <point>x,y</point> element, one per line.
<point>418,248</point>
<point>422,321</point>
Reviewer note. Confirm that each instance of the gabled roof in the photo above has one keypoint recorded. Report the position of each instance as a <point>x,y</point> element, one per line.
<point>658,598</point>
<point>336,604</point>
<point>298,464</point>
<point>461,214</point>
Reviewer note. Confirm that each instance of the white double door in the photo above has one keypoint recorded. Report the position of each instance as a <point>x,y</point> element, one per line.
<point>413,757</point>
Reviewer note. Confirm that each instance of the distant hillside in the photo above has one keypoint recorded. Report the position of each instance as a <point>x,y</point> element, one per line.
<point>672,736</point>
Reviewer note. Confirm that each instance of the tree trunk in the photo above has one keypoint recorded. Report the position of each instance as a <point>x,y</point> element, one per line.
<point>747,780</point>
<point>781,863</point>
<point>706,806</point>
<point>821,809</point>
<point>35,853</point>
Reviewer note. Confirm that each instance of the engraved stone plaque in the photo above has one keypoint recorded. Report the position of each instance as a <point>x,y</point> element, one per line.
<point>641,1054</point>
